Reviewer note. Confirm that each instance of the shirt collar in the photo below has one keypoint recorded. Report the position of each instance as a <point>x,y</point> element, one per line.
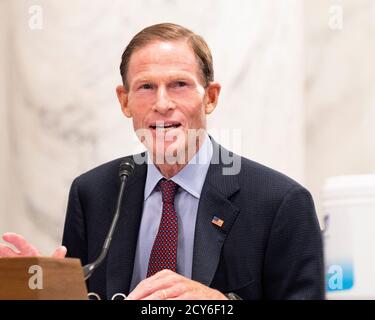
<point>191,178</point>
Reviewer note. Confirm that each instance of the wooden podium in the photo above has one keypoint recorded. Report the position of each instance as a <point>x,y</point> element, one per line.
<point>38,278</point>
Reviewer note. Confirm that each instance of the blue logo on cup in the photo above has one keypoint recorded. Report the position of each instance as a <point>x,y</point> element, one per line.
<point>339,276</point>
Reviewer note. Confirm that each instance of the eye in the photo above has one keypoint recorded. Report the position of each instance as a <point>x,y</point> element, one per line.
<point>146,86</point>
<point>181,83</point>
<point>178,84</point>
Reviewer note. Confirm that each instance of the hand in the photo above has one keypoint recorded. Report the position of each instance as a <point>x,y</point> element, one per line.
<point>168,285</point>
<point>24,249</point>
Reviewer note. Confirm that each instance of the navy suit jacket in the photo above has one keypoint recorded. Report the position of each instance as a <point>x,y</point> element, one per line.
<point>269,246</point>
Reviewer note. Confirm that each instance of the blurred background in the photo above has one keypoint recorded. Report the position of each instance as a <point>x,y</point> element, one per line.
<point>298,92</point>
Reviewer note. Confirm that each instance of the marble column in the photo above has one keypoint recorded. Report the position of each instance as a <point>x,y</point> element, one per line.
<point>340,90</point>
<point>4,145</point>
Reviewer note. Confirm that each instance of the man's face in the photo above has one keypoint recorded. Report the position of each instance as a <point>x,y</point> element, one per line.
<point>166,97</point>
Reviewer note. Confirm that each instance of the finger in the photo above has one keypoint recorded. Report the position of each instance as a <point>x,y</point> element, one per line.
<point>188,295</point>
<point>60,252</point>
<point>157,295</point>
<point>6,251</point>
<point>149,285</point>
<point>199,293</point>
<point>173,292</point>
<point>25,248</point>
<point>161,280</point>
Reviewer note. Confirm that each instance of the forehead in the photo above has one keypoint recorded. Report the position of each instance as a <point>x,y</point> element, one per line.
<point>163,57</point>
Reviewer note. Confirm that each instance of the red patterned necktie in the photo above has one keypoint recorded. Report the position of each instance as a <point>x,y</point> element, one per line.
<point>164,251</point>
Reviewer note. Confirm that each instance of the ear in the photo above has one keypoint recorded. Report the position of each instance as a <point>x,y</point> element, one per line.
<point>122,96</point>
<point>212,96</point>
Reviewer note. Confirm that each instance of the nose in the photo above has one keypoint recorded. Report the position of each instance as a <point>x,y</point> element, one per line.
<point>163,102</point>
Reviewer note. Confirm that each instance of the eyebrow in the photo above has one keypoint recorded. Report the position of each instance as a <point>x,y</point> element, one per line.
<point>174,76</point>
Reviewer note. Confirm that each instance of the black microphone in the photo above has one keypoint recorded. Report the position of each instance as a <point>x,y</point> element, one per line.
<point>125,170</point>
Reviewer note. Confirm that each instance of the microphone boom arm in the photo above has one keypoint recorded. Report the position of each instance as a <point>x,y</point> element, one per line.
<point>126,169</point>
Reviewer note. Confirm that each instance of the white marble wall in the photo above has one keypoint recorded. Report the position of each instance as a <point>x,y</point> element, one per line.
<point>3,110</point>
<point>64,118</point>
<point>340,90</point>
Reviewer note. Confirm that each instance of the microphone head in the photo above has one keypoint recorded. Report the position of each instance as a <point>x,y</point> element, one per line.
<point>126,167</point>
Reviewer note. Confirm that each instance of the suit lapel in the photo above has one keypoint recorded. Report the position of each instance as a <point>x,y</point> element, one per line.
<point>122,251</point>
<point>214,202</point>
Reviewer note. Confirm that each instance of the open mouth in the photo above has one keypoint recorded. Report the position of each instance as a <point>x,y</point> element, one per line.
<point>165,125</point>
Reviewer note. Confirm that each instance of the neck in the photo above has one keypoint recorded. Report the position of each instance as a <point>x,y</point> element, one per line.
<point>169,170</point>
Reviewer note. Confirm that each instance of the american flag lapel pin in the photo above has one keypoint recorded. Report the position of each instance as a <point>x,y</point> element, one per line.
<point>217,221</point>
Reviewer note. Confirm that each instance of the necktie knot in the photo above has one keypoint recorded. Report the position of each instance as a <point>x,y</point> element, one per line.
<point>168,190</point>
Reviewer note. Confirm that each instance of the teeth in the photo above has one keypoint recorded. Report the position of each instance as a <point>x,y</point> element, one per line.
<point>165,126</point>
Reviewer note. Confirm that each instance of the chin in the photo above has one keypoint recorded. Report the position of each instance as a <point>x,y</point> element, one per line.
<point>170,153</point>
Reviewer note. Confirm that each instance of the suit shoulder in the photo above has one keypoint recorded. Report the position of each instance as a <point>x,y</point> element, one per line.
<point>254,177</point>
<point>101,173</point>
<point>266,178</point>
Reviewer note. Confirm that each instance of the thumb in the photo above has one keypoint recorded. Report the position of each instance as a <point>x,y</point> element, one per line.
<point>60,252</point>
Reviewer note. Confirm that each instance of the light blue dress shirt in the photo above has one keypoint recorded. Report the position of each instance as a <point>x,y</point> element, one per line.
<point>190,180</point>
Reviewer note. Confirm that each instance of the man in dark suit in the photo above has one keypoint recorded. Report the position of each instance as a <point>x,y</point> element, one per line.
<point>192,224</point>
